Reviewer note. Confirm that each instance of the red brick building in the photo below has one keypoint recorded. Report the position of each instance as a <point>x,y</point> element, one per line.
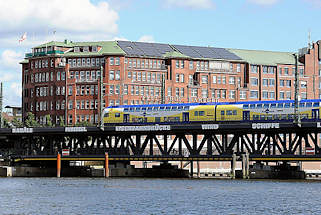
<point>61,79</point>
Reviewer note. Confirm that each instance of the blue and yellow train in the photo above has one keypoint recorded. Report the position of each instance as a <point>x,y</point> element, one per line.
<point>221,112</point>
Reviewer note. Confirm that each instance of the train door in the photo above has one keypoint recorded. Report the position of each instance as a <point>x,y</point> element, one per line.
<point>185,117</point>
<point>126,117</point>
<point>246,115</point>
<point>315,114</point>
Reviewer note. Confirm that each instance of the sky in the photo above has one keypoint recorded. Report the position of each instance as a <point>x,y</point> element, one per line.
<point>276,25</point>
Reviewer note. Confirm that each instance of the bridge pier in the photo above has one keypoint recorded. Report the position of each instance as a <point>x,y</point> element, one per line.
<point>58,165</point>
<point>245,166</point>
<point>233,165</point>
<point>192,170</point>
<point>198,170</point>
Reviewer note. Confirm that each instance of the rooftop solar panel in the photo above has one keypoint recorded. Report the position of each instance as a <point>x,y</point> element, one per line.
<point>159,49</point>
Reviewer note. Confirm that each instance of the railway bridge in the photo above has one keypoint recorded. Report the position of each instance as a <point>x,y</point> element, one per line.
<point>165,142</point>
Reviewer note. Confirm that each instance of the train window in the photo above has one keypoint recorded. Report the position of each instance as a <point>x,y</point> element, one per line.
<point>259,105</point>
<point>286,105</point>
<point>316,104</point>
<point>106,115</point>
<point>131,109</point>
<point>174,108</point>
<point>262,117</point>
<point>269,117</point>
<point>292,105</point>
<point>276,117</point>
<point>309,104</point>
<point>144,108</point>
<point>280,105</point>
<point>155,108</point>
<point>252,106</point>
<point>222,112</point>
<point>256,117</point>
<point>168,108</point>
<point>179,108</point>
<point>302,105</point>
<point>149,108</point>
<point>117,114</point>
<point>186,107</point>
<point>126,109</point>
<point>201,113</point>
<point>245,106</point>
<point>266,105</point>
<point>229,112</point>
<point>290,116</point>
<point>234,112</point>
<point>196,113</point>
<point>273,105</point>
<point>161,108</point>
<point>284,116</point>
<point>137,109</point>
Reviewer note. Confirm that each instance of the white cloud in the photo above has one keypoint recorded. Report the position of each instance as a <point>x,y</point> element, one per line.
<point>146,38</point>
<point>10,59</point>
<point>263,2</point>
<point>191,4</point>
<point>71,17</point>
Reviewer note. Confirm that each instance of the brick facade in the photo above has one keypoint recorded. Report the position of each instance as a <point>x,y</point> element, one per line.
<point>64,83</point>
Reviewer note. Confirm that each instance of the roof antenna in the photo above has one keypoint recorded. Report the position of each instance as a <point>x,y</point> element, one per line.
<point>309,38</point>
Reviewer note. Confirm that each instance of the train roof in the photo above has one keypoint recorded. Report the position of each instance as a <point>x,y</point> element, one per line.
<point>214,103</point>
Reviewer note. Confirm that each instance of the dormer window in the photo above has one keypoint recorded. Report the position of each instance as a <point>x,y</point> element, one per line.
<point>86,49</point>
<point>94,49</point>
<point>76,49</point>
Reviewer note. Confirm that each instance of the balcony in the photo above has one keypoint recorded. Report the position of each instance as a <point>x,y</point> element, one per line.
<point>39,54</point>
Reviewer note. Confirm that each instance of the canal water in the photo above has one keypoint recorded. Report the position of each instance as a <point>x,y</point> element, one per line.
<point>157,196</point>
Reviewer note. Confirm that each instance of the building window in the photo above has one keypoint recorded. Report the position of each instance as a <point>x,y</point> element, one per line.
<point>204,93</point>
<point>280,70</point>
<point>265,82</point>
<point>204,79</point>
<point>111,75</point>
<point>254,94</point>
<point>288,83</point>
<point>191,66</point>
<point>232,94</point>
<point>242,94</point>
<point>272,95</point>
<point>271,82</point>
<point>254,81</point>
<point>117,76</point>
<point>288,95</point>
<point>232,80</point>
<point>281,95</point>
<point>238,68</point>
<point>181,78</point>
<point>117,61</point>
<point>194,92</point>
<point>177,78</point>
<point>254,69</point>
<point>182,92</point>
<point>182,64</point>
<point>111,89</point>
<point>177,64</point>
<point>286,71</point>
<point>214,79</point>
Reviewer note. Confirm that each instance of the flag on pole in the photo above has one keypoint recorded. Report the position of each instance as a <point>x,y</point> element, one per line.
<point>23,37</point>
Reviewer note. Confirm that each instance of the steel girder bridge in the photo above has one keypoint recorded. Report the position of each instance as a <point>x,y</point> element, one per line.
<point>172,142</point>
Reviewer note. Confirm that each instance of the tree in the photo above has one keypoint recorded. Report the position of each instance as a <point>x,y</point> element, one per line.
<point>48,120</point>
<point>17,123</point>
<point>61,122</point>
<point>30,121</point>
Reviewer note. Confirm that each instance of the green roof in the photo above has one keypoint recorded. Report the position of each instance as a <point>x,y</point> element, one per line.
<point>24,61</point>
<point>108,48</point>
<point>269,58</point>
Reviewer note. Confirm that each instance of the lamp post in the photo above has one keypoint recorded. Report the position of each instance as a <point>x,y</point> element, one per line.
<point>297,119</point>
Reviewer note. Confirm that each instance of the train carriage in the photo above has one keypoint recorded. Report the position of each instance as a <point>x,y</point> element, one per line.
<point>221,112</point>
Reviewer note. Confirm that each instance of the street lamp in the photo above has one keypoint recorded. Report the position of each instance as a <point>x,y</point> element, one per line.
<point>297,119</point>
